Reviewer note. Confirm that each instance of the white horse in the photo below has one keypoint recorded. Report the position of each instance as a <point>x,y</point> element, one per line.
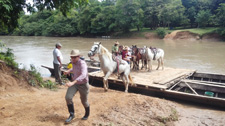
<point>158,56</point>
<point>108,65</point>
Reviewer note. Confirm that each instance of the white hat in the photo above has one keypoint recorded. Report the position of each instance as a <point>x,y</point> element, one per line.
<point>75,52</point>
<point>126,48</point>
<point>58,44</point>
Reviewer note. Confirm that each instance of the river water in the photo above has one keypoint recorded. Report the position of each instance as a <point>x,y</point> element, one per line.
<point>204,56</point>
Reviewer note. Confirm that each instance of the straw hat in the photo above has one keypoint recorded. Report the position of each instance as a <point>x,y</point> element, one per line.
<point>75,52</point>
<point>116,42</point>
<point>126,48</point>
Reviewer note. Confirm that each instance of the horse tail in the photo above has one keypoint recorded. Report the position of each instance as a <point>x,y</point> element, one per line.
<point>131,80</point>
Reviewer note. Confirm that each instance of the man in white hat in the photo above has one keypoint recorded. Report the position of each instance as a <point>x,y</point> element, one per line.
<point>79,83</point>
<point>57,63</point>
<point>126,54</point>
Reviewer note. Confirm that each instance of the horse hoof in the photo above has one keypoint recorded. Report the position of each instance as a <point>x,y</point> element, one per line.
<point>126,91</point>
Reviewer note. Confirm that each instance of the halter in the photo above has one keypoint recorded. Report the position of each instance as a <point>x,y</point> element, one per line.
<point>96,47</point>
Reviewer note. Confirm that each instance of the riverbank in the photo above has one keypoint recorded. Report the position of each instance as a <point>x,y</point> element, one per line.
<point>23,104</point>
<point>206,34</point>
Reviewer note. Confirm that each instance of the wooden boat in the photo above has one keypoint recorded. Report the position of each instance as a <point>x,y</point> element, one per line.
<point>205,88</point>
<point>183,84</point>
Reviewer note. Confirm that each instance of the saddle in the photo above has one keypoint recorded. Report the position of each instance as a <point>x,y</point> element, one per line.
<point>154,51</point>
<point>119,61</point>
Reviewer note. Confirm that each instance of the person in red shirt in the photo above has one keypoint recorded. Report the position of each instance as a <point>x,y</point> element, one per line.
<point>126,54</point>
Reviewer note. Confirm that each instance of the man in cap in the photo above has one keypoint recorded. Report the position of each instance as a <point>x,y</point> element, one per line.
<point>115,48</point>
<point>79,83</point>
<point>57,63</point>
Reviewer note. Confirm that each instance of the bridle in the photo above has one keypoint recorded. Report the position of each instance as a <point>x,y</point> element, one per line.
<point>95,48</point>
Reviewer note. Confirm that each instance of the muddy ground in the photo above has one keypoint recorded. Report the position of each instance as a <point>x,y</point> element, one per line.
<point>23,105</point>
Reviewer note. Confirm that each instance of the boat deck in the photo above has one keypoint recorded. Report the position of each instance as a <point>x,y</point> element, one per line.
<point>161,79</point>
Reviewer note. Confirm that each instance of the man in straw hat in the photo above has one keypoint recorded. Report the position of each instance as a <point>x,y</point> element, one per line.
<point>79,83</point>
<point>115,48</point>
<point>57,63</point>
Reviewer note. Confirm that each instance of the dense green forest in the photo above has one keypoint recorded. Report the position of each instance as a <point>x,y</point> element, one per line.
<point>95,18</point>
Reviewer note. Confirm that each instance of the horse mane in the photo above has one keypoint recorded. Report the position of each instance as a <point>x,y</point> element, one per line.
<point>106,52</point>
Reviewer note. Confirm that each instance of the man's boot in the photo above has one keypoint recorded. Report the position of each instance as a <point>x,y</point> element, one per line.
<point>71,111</point>
<point>87,112</point>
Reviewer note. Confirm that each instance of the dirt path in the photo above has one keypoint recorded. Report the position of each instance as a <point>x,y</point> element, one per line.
<point>23,105</point>
<point>44,107</point>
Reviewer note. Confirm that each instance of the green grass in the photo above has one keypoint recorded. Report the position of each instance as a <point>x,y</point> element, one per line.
<point>201,31</point>
<point>135,33</point>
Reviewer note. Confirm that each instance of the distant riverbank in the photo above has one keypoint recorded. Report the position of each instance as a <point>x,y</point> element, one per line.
<point>190,34</point>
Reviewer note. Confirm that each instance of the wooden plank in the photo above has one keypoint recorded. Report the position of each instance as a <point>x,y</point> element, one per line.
<point>173,76</point>
<point>204,86</point>
<point>208,75</point>
<point>206,82</point>
<point>196,98</point>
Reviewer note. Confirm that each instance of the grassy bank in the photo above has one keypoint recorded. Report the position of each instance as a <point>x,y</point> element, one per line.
<point>201,31</point>
<point>142,33</point>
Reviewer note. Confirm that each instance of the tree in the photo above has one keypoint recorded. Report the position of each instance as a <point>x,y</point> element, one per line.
<point>127,14</point>
<point>191,12</point>
<point>10,9</point>
<point>62,5</point>
<point>163,13</point>
<point>105,22</point>
<point>220,15</point>
<point>10,12</point>
<point>85,18</point>
<point>151,11</point>
<point>172,12</point>
<point>203,18</point>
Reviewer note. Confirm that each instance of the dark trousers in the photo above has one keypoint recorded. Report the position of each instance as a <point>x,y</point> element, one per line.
<point>57,73</point>
<point>83,90</point>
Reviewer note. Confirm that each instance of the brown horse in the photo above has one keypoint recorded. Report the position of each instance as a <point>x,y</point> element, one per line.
<point>138,54</point>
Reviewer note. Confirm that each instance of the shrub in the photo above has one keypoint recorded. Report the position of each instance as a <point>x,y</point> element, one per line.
<point>161,32</point>
<point>221,31</point>
<point>7,56</point>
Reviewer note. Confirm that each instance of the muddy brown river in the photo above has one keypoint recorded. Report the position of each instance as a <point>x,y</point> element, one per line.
<point>204,56</point>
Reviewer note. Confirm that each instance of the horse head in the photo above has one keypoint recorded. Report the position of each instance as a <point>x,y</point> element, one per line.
<point>94,49</point>
<point>134,49</point>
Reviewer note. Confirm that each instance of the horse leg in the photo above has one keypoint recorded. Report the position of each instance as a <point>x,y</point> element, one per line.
<point>138,64</point>
<point>158,64</point>
<point>146,64</point>
<point>149,65</point>
<point>105,81</point>
<point>143,63</point>
<point>133,65</point>
<point>126,82</point>
<point>162,63</point>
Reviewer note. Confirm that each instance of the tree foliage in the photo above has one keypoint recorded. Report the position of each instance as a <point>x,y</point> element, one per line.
<point>203,18</point>
<point>95,18</point>
<point>11,9</point>
<point>10,12</point>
